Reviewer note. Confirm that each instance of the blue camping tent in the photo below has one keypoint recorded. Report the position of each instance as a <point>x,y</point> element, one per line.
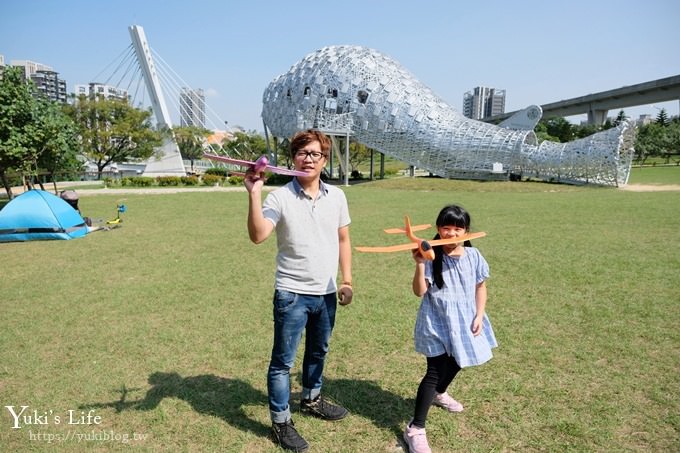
<point>36,215</point>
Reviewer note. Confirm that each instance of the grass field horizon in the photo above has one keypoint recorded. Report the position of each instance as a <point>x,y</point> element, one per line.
<point>162,327</point>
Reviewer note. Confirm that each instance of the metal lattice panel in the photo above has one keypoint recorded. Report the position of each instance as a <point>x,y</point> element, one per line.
<point>362,92</point>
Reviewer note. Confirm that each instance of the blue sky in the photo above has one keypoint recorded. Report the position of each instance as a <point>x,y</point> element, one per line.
<point>539,51</point>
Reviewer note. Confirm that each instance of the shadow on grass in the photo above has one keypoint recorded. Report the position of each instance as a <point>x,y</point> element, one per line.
<point>367,399</point>
<point>224,398</point>
<point>207,394</point>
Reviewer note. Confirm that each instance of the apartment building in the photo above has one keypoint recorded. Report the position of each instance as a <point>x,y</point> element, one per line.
<point>483,102</point>
<point>46,80</point>
<point>192,107</point>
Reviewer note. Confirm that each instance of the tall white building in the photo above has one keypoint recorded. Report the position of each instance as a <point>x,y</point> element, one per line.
<point>483,102</point>
<point>192,107</point>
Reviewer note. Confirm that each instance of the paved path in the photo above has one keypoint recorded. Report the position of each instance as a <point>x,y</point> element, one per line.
<point>240,188</point>
<point>165,190</point>
<point>651,187</point>
<point>141,191</point>
<point>161,190</point>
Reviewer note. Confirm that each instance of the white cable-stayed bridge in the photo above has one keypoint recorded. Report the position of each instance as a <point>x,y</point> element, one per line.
<point>149,81</point>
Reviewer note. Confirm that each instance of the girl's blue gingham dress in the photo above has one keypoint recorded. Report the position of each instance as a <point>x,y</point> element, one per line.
<point>444,320</point>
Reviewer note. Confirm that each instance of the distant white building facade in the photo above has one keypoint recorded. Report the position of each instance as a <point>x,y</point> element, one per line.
<point>645,119</point>
<point>29,67</point>
<point>483,102</point>
<point>192,107</point>
<point>94,89</point>
<point>46,80</point>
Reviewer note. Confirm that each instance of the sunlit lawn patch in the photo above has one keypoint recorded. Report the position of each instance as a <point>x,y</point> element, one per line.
<point>162,327</point>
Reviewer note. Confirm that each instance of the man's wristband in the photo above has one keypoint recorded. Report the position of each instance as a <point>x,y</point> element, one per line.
<point>346,284</point>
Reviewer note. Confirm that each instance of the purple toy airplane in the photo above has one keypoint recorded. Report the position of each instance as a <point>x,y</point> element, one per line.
<point>259,166</point>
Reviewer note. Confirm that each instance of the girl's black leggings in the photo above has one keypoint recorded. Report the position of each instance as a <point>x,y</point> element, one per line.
<point>440,372</point>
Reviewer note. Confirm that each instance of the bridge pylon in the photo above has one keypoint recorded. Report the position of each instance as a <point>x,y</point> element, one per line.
<point>170,162</point>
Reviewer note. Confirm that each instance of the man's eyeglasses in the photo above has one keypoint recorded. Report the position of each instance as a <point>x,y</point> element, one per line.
<point>315,155</point>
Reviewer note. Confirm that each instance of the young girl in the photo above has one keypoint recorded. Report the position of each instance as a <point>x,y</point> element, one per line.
<point>452,330</point>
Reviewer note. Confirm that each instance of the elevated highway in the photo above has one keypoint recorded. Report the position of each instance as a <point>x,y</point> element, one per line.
<point>597,105</point>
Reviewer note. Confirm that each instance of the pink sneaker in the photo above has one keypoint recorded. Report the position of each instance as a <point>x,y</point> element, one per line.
<point>448,403</point>
<point>415,440</point>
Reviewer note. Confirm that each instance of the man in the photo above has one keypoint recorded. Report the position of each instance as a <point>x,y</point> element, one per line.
<point>311,220</point>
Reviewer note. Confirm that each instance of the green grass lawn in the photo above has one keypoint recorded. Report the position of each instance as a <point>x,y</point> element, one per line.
<point>162,327</point>
<point>655,175</point>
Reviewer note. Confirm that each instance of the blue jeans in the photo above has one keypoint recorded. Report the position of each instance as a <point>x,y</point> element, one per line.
<point>294,313</point>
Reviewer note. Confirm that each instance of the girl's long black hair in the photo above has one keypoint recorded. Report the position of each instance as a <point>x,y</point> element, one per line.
<point>451,215</point>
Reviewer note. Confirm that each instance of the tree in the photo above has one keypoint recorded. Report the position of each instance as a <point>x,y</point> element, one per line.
<point>647,142</point>
<point>57,141</point>
<point>35,134</point>
<point>620,118</point>
<point>657,140</point>
<point>191,141</point>
<point>248,146</point>
<point>673,136</point>
<point>662,118</point>
<point>17,110</point>
<point>584,130</point>
<point>560,128</point>
<point>358,154</point>
<point>112,131</point>
<point>541,131</point>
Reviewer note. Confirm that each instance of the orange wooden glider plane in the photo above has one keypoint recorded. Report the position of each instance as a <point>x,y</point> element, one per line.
<point>423,246</point>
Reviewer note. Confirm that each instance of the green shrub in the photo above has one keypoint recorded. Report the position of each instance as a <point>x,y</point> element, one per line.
<point>388,172</point>
<point>211,180</point>
<point>218,171</point>
<point>275,179</point>
<point>235,180</point>
<point>190,180</point>
<point>164,181</point>
<point>141,181</point>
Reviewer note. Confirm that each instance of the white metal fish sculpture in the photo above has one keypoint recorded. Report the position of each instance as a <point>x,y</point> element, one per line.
<point>359,91</point>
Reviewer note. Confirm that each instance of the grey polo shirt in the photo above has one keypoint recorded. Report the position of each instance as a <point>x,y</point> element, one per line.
<point>307,236</point>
